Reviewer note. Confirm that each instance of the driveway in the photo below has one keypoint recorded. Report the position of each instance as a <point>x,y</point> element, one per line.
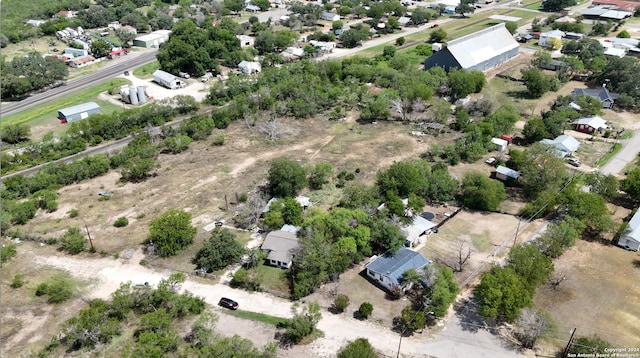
<point>628,153</point>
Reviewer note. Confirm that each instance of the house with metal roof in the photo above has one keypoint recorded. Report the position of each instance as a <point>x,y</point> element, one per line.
<point>503,173</point>
<point>606,12</point>
<point>548,39</point>
<point>602,94</point>
<point>388,268</point>
<point>617,4</point>
<point>329,16</point>
<point>589,124</point>
<point>246,41</point>
<point>417,228</point>
<point>563,145</point>
<point>630,238</point>
<point>80,111</point>
<point>167,80</point>
<point>280,247</point>
<point>153,39</point>
<point>480,50</point>
<point>250,67</point>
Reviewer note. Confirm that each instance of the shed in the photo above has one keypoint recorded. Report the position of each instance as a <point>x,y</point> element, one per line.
<point>80,111</point>
<point>418,227</point>
<point>546,38</point>
<point>630,238</point>
<point>329,16</point>
<point>480,50</point>
<point>503,173</point>
<point>250,67</point>
<point>280,248</point>
<point>501,144</point>
<point>387,269</point>
<point>246,41</point>
<point>167,80</point>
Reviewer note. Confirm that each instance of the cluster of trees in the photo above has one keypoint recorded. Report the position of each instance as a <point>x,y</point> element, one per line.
<point>155,313</point>
<point>171,232</point>
<point>219,251</point>
<point>22,75</point>
<point>504,291</point>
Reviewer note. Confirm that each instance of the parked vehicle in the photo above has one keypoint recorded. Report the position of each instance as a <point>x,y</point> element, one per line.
<point>575,162</point>
<point>228,303</point>
<point>491,161</point>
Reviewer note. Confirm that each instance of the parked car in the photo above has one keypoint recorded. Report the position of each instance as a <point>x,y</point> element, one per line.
<point>491,161</point>
<point>575,162</point>
<point>228,303</point>
<point>126,73</point>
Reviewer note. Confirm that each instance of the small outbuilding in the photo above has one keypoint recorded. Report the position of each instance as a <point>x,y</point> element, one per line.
<point>503,173</point>
<point>387,269</point>
<point>630,238</point>
<point>501,144</point>
<point>80,111</point>
<point>249,67</point>
<point>329,16</point>
<point>418,227</point>
<point>246,41</point>
<point>167,80</point>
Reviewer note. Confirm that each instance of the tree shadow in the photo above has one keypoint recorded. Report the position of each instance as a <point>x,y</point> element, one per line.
<point>519,94</point>
<point>335,310</point>
<point>636,263</point>
<point>470,319</point>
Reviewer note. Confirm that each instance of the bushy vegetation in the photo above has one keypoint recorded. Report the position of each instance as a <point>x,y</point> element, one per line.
<point>25,74</point>
<point>171,232</point>
<point>220,251</point>
<point>57,289</point>
<point>7,253</point>
<point>360,348</point>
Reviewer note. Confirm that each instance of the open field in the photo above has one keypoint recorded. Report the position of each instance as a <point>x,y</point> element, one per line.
<point>599,296</point>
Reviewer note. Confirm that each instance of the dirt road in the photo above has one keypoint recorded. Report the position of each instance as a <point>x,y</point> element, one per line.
<point>453,341</point>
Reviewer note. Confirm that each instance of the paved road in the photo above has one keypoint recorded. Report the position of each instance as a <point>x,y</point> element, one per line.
<point>112,69</point>
<point>629,152</point>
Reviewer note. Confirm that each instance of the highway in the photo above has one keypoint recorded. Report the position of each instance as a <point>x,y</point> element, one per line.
<point>112,69</point>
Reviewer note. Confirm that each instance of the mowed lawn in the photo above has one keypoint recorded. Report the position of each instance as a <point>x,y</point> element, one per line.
<point>601,294</point>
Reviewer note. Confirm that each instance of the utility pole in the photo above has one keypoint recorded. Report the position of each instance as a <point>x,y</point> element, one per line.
<point>93,249</point>
<point>565,354</point>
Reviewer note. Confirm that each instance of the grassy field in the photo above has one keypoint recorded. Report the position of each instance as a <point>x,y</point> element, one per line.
<point>35,116</point>
<point>273,278</point>
<point>254,316</point>
<point>609,154</point>
<point>145,71</point>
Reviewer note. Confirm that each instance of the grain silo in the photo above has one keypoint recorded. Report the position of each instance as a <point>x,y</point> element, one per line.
<point>133,95</point>
<point>142,97</point>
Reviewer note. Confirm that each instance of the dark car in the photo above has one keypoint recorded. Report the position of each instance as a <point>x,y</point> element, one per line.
<point>228,303</point>
<point>575,162</point>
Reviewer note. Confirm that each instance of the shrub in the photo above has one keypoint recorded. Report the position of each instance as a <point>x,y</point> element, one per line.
<point>73,241</point>
<point>341,302</point>
<point>218,139</point>
<point>243,198</point>
<point>8,252</point>
<point>18,281</point>
<point>366,309</point>
<point>121,222</point>
<point>73,213</point>
<point>42,289</point>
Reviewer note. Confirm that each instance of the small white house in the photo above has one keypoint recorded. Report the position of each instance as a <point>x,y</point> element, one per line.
<point>250,67</point>
<point>501,144</point>
<point>246,41</point>
<point>547,38</point>
<point>564,145</point>
<point>280,248</point>
<point>630,238</point>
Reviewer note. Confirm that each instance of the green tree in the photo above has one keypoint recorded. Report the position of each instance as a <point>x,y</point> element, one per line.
<point>388,52</point>
<point>177,143</point>
<point>73,241</point>
<point>559,236</point>
<point>100,48</point>
<point>401,179</point>
<point>512,27</point>
<point>171,232</point>
<point>462,83</point>
<point>303,322</point>
<point>535,130</point>
<point>624,34</point>
<point>15,133</point>
<point>437,35</point>
<point>220,251</point>
<point>557,5</point>
<point>286,177</point>
<point>590,208</point>
<point>631,184</point>
<point>341,302</point>
<point>365,310</point>
<point>465,7</point>
<point>482,193</point>
<point>92,326</point>
<point>604,185</point>
<point>443,292</point>
<point>283,211</point>
<point>360,348</point>
<point>502,294</point>
<point>320,175</point>
<point>541,171</point>
<point>530,264</point>
<point>537,82</point>
<point>411,320</point>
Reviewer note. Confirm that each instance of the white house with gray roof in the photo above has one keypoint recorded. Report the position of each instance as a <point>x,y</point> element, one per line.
<point>630,238</point>
<point>480,50</point>
<point>563,145</point>
<point>167,80</point>
<point>387,269</point>
<point>280,247</point>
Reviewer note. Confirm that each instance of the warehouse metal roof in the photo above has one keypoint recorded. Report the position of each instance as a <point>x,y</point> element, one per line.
<point>79,108</point>
<point>164,76</point>
<point>481,46</point>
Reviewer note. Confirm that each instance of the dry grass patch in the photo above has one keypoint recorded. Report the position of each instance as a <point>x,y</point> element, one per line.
<point>600,295</point>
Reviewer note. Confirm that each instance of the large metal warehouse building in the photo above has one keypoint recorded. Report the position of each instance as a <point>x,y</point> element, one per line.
<point>153,39</point>
<point>80,111</point>
<point>480,50</point>
<point>167,80</point>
